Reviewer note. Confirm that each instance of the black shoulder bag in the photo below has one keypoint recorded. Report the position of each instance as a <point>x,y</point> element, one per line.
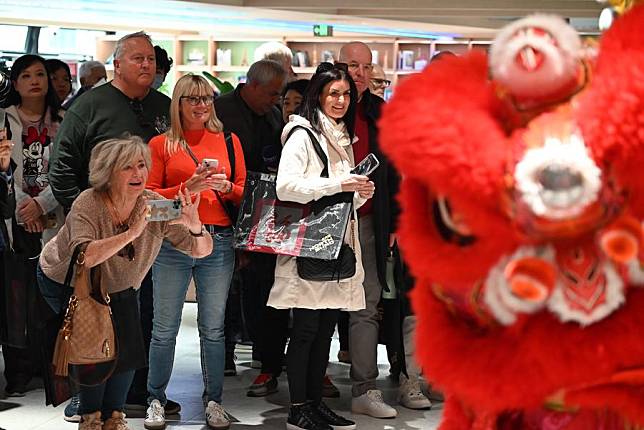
<point>343,267</point>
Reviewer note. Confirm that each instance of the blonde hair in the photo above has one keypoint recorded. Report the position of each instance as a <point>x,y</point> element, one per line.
<point>188,85</point>
<point>112,155</point>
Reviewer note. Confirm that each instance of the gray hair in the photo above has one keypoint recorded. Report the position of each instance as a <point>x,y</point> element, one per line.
<point>274,51</point>
<point>264,71</point>
<point>120,44</point>
<point>86,68</point>
<point>112,155</point>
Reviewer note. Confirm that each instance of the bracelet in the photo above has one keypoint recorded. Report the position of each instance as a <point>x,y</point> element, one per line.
<point>229,188</point>
<point>200,234</point>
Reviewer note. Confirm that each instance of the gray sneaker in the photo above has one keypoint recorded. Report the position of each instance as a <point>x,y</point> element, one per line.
<point>410,394</point>
<point>155,416</point>
<point>371,403</point>
<point>216,416</point>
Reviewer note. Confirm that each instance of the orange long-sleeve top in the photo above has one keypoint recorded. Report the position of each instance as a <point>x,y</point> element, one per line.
<point>170,171</point>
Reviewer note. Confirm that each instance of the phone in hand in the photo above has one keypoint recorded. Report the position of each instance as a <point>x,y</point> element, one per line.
<point>163,210</point>
<point>3,131</point>
<point>366,166</point>
<point>210,163</point>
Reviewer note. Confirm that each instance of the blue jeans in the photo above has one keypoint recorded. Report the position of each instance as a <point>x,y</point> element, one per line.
<point>171,274</point>
<point>107,397</point>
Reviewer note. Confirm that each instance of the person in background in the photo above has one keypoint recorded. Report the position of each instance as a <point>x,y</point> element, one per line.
<point>378,82</point>
<point>251,113</point>
<point>127,104</point>
<point>280,53</point>
<point>178,158</point>
<point>33,116</point>
<point>327,112</point>
<point>164,64</point>
<point>61,78</point>
<point>378,218</point>
<point>292,97</point>
<point>109,220</point>
<point>90,73</point>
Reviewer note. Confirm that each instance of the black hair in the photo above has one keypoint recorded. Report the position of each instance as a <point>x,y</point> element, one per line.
<point>163,61</point>
<point>53,65</point>
<point>325,73</point>
<point>298,86</point>
<point>51,99</point>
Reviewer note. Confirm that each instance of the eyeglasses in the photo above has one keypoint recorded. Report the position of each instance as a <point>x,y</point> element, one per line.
<point>196,100</point>
<point>353,66</point>
<point>381,82</point>
<point>137,108</point>
<point>128,250</point>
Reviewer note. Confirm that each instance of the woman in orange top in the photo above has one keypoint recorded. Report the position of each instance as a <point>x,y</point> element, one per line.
<point>177,163</point>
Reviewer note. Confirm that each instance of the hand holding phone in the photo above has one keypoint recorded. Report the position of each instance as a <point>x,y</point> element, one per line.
<point>210,163</point>
<point>366,166</point>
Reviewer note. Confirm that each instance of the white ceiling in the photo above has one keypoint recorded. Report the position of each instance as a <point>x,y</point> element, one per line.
<point>294,18</point>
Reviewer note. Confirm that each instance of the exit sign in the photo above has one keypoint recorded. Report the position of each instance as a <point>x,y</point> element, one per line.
<point>322,30</point>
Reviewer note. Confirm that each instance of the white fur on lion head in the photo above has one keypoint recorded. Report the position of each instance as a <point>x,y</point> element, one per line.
<point>561,63</point>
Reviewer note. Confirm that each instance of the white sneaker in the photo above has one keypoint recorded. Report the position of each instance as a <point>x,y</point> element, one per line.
<point>216,416</point>
<point>154,416</point>
<point>372,404</point>
<point>410,395</point>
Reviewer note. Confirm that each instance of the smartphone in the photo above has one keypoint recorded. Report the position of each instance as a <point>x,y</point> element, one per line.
<point>3,116</point>
<point>210,163</point>
<point>163,210</point>
<point>366,166</point>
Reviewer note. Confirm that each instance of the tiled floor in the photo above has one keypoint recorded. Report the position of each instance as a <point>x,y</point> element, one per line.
<point>185,387</point>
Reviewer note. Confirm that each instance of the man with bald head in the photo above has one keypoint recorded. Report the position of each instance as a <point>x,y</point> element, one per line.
<point>377,226</point>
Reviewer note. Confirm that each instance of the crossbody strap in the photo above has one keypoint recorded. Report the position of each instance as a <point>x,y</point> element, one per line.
<point>316,146</point>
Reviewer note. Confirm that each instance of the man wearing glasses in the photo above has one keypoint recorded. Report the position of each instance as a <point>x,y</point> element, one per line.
<point>377,225</point>
<point>125,105</point>
<point>379,81</point>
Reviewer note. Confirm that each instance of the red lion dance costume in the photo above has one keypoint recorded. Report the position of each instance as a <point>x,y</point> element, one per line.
<point>523,198</point>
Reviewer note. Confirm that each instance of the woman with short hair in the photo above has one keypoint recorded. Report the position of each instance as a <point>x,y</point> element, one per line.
<point>197,154</point>
<point>109,221</point>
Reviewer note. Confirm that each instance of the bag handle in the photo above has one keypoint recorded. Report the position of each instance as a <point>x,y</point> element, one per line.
<point>316,146</point>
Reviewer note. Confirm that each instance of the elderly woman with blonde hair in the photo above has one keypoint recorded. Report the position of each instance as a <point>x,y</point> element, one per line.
<point>109,221</point>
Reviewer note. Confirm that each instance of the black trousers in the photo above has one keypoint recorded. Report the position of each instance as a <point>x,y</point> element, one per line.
<point>272,340</point>
<point>308,352</point>
<point>138,393</point>
<point>257,277</point>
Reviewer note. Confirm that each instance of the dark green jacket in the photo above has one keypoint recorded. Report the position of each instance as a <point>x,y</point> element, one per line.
<point>99,114</point>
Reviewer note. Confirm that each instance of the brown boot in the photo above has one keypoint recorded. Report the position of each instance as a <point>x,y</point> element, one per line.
<point>91,421</point>
<point>116,422</point>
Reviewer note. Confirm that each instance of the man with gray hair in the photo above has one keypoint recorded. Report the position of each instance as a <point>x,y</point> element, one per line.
<point>279,52</point>
<point>251,114</point>
<point>89,74</point>
<point>125,105</point>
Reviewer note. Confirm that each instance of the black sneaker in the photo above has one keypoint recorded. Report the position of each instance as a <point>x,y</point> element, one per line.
<point>16,389</point>
<point>334,420</point>
<point>171,407</point>
<point>71,410</point>
<point>304,417</point>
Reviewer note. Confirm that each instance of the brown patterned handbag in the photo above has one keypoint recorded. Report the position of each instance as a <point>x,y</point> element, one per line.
<point>87,335</point>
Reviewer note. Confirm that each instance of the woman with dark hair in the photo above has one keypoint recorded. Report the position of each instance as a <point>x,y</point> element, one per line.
<point>33,116</point>
<point>164,64</point>
<point>61,78</point>
<point>326,117</point>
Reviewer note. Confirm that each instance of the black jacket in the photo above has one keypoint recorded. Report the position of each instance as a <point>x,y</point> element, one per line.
<point>259,134</point>
<point>386,180</point>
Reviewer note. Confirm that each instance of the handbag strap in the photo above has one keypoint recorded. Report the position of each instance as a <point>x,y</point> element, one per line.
<point>70,269</point>
<point>316,146</point>
<point>230,149</point>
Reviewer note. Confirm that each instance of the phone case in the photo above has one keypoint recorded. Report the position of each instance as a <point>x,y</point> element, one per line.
<point>163,210</point>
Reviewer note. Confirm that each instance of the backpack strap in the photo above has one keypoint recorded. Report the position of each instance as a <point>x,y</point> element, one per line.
<point>316,146</point>
<point>231,154</point>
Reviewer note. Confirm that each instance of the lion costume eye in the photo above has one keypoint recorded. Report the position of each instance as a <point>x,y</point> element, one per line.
<point>449,226</point>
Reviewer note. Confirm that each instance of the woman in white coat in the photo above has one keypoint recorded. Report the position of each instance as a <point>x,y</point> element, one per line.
<point>328,110</point>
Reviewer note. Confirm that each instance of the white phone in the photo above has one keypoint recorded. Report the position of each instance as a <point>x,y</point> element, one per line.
<point>210,163</point>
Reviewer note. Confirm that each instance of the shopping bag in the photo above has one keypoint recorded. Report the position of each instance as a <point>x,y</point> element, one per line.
<point>269,225</point>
